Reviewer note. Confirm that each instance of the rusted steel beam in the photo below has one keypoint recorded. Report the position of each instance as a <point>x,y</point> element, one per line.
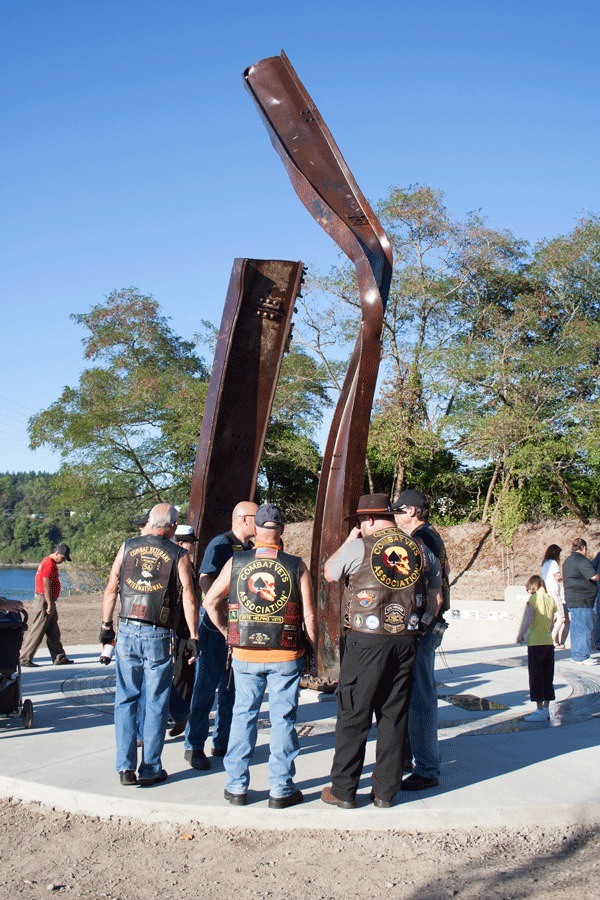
<point>328,190</point>
<point>254,334</point>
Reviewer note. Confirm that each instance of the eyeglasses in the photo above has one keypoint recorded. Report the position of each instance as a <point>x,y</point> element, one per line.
<point>401,509</point>
<point>245,515</point>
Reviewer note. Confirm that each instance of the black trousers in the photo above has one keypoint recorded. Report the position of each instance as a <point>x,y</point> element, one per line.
<point>540,662</point>
<point>375,677</point>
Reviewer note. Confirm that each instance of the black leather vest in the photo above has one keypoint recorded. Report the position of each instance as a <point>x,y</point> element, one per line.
<point>234,541</point>
<point>387,594</point>
<point>265,607</point>
<point>440,552</point>
<point>149,584</point>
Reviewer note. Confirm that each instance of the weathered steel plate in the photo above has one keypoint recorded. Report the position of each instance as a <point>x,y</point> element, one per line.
<point>328,190</point>
<point>253,337</point>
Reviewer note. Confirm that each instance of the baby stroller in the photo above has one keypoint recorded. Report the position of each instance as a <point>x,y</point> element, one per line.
<point>13,622</point>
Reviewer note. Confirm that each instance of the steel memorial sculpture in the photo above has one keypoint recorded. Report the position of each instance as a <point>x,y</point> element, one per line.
<point>255,332</point>
<point>328,190</point>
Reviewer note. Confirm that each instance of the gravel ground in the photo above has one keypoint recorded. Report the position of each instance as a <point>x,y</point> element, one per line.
<point>47,852</point>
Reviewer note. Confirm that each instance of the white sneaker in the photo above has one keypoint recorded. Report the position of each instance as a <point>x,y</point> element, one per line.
<point>586,662</point>
<point>540,715</point>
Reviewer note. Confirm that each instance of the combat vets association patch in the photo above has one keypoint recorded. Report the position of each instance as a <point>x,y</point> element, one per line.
<point>264,587</point>
<point>396,560</point>
<point>393,618</point>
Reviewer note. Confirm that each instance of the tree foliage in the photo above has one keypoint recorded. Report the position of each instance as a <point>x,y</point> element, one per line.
<point>290,465</point>
<point>490,362</point>
<point>29,529</point>
<point>128,432</point>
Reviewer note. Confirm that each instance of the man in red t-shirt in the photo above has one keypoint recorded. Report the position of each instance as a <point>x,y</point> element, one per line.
<point>43,618</point>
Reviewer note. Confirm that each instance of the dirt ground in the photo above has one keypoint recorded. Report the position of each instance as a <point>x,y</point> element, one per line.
<point>53,852</point>
<point>48,851</point>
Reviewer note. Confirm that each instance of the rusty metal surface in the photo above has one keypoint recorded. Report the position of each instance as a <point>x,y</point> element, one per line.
<point>253,337</point>
<point>328,190</point>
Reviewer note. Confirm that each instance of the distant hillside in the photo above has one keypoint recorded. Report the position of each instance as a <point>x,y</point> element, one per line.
<point>480,567</point>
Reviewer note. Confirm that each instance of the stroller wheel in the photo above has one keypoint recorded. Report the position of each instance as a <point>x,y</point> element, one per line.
<point>27,714</point>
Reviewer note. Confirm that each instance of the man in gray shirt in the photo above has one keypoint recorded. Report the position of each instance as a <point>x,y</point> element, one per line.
<point>580,582</point>
<point>391,580</point>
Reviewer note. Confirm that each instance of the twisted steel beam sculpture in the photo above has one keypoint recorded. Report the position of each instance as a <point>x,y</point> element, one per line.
<point>255,333</point>
<point>328,190</point>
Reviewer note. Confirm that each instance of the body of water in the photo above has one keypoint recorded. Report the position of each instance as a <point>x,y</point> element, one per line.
<point>19,584</point>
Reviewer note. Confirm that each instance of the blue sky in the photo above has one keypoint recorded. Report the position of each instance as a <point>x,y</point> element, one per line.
<point>132,154</point>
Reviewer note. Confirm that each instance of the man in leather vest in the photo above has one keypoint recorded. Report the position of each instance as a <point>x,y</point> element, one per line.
<point>268,621</point>
<point>211,665</point>
<point>391,581</point>
<point>411,514</point>
<point>153,576</point>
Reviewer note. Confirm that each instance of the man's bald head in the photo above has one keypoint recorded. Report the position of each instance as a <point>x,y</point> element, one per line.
<point>242,519</point>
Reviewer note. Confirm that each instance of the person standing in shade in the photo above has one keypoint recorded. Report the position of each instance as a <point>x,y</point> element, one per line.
<point>596,565</point>
<point>153,577</point>
<point>268,621</point>
<point>554,586</point>
<point>411,514</point>
<point>580,581</point>
<point>391,580</point>
<point>183,663</point>
<point>212,675</point>
<point>43,619</point>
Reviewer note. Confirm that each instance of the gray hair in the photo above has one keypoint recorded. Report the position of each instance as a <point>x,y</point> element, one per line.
<point>163,515</point>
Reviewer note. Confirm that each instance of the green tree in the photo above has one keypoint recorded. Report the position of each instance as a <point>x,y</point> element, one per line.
<point>441,271</point>
<point>289,472</point>
<point>128,432</point>
<point>527,376</point>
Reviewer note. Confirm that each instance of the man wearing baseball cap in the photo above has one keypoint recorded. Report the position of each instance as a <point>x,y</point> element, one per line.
<point>268,621</point>
<point>43,618</point>
<point>390,582</point>
<point>411,514</point>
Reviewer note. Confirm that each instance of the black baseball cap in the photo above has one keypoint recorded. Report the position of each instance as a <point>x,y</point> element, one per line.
<point>268,512</point>
<point>64,550</point>
<point>410,498</point>
<point>142,519</point>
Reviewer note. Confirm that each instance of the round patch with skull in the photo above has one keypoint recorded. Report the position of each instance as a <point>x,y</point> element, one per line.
<point>264,587</point>
<point>396,560</point>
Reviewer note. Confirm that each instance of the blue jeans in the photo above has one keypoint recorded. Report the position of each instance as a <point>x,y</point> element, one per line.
<point>597,621</point>
<point>210,675</point>
<point>251,680</point>
<point>143,659</point>
<point>178,709</point>
<point>423,709</point>
<point>581,632</point>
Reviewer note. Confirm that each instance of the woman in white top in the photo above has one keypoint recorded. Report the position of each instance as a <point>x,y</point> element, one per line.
<point>553,580</point>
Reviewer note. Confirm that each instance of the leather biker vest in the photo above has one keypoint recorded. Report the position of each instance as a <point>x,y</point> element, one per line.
<point>234,541</point>
<point>440,552</point>
<point>265,607</point>
<point>387,594</point>
<point>149,585</point>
